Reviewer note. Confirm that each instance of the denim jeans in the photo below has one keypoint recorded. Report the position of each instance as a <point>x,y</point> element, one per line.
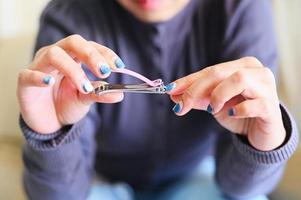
<point>200,186</point>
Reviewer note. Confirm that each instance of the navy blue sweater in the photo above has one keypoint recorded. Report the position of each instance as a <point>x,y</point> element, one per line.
<point>140,140</point>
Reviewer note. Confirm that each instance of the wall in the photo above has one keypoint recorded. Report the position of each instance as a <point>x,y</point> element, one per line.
<point>18,25</point>
<point>288,25</point>
<point>288,17</point>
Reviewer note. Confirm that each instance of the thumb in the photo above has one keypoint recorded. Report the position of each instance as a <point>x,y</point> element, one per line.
<point>179,86</point>
<point>88,99</point>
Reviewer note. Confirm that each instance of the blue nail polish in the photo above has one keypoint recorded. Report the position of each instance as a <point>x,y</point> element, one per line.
<point>47,80</point>
<point>170,86</point>
<point>87,86</point>
<point>105,69</point>
<point>119,63</point>
<point>177,108</point>
<point>209,109</point>
<point>231,112</point>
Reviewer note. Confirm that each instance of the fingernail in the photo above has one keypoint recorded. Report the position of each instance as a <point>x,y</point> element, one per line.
<point>119,63</point>
<point>231,112</point>
<point>209,109</point>
<point>105,69</point>
<point>87,86</point>
<point>48,80</point>
<point>170,86</point>
<point>177,108</point>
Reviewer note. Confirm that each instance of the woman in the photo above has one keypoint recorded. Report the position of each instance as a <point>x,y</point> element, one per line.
<point>139,141</point>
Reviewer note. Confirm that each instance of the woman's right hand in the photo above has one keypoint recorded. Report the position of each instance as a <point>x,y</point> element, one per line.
<point>54,91</point>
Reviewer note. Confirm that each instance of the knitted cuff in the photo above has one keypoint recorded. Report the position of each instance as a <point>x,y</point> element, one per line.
<point>44,142</point>
<point>275,156</point>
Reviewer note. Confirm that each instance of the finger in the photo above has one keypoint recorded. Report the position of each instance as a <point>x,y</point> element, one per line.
<point>91,98</point>
<point>261,108</point>
<point>196,96</point>
<point>176,98</point>
<point>108,98</point>
<point>104,98</point>
<point>110,56</point>
<point>55,57</point>
<point>245,62</point>
<point>189,101</point>
<point>250,83</point>
<point>179,86</point>
<point>191,92</point>
<point>184,103</point>
<point>29,78</point>
<point>84,51</point>
<point>197,87</point>
<point>212,75</point>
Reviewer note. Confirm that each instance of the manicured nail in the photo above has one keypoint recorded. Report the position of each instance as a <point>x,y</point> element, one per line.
<point>48,80</point>
<point>231,112</point>
<point>87,86</point>
<point>170,86</point>
<point>209,109</point>
<point>105,69</point>
<point>177,108</point>
<point>119,63</point>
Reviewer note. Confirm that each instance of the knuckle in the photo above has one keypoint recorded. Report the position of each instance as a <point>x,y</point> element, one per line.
<point>215,72</point>
<point>52,53</point>
<point>107,51</point>
<point>92,43</point>
<point>74,38</point>
<point>239,77</point>
<point>76,72</point>
<point>41,50</point>
<point>206,70</point>
<point>21,75</point>
<point>90,52</point>
<point>251,61</point>
<point>185,79</point>
<point>268,73</point>
<point>189,94</point>
<point>216,99</point>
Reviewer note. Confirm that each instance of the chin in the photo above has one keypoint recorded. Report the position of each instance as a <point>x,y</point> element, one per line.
<point>153,10</point>
<point>149,5</point>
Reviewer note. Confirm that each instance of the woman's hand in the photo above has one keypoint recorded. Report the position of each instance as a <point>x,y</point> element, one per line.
<point>242,97</point>
<point>54,91</point>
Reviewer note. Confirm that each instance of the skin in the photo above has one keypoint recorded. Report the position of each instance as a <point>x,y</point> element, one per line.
<point>48,107</point>
<point>154,10</point>
<point>244,85</point>
<point>244,88</point>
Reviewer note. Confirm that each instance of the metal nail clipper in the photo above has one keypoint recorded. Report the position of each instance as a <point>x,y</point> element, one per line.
<point>153,87</point>
<point>135,88</point>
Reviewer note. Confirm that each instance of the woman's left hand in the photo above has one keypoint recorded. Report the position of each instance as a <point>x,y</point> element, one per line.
<point>240,94</point>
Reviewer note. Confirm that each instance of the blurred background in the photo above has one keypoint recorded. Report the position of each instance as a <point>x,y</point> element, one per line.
<point>18,26</point>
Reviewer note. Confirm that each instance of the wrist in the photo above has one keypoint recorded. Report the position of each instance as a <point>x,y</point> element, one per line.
<point>31,134</point>
<point>41,125</point>
<point>268,141</point>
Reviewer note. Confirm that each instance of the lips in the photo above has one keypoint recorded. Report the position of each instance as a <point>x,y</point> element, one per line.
<point>149,4</point>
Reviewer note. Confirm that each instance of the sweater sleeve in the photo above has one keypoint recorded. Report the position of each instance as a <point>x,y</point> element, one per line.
<point>60,165</point>
<point>243,172</point>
